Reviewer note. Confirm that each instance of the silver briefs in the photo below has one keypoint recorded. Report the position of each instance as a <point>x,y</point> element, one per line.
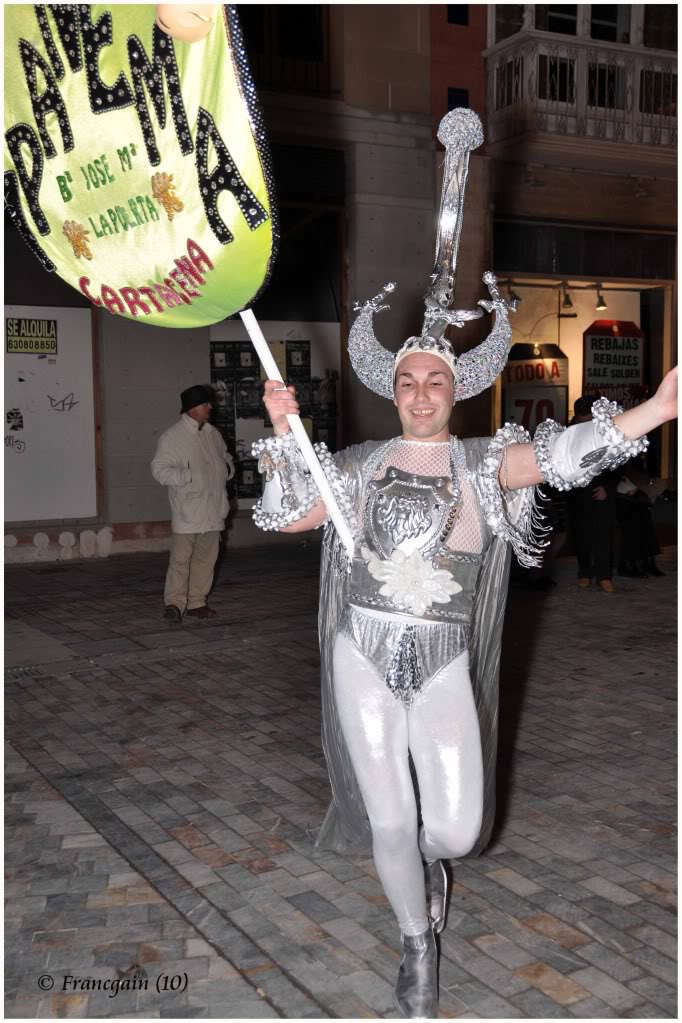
<point>406,655</point>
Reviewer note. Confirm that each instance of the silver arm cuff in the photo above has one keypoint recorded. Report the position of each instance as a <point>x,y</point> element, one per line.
<point>290,491</point>
<point>572,457</point>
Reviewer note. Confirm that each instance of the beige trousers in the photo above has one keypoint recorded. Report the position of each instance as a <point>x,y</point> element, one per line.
<point>190,572</point>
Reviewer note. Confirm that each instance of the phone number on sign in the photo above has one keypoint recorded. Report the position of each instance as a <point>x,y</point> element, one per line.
<point>24,345</point>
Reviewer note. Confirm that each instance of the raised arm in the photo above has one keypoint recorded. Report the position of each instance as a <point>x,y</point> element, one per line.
<point>637,421</point>
<point>571,457</point>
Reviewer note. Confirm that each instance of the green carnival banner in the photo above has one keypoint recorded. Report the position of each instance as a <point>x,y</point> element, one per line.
<point>136,164</point>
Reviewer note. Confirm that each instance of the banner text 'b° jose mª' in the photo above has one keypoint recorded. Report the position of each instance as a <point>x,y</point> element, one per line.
<point>136,165</point>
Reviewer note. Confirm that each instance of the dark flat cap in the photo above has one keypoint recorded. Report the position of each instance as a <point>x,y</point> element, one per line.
<point>193,396</point>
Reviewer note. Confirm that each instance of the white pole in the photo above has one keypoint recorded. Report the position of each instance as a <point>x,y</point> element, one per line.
<point>298,430</point>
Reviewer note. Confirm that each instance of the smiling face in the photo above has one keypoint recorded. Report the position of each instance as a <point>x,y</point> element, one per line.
<point>424,391</point>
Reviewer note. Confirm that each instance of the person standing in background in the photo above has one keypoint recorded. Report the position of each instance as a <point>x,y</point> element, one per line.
<point>592,512</point>
<point>193,462</point>
<point>636,495</point>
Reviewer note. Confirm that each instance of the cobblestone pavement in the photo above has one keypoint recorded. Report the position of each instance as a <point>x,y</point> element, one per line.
<point>163,784</point>
<point>75,909</point>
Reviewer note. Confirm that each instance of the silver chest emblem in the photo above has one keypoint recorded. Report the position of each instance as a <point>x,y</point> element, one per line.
<point>409,512</point>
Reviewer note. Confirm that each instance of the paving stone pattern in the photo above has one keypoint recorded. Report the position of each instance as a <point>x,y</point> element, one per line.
<point>164,784</point>
<point>75,908</point>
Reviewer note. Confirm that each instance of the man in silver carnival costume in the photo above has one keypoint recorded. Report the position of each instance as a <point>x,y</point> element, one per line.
<point>410,627</point>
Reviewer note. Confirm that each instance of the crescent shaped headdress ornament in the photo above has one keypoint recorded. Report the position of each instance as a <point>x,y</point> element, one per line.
<point>460,131</point>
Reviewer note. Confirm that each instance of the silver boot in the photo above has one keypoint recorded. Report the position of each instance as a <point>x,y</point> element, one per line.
<point>416,989</point>
<point>437,893</point>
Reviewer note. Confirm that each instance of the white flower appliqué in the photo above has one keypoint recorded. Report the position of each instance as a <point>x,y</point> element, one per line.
<point>411,580</point>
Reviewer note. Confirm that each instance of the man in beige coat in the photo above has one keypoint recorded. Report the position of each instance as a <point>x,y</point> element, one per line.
<point>192,461</point>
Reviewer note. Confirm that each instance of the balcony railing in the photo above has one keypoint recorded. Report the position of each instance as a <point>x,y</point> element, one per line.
<point>538,83</point>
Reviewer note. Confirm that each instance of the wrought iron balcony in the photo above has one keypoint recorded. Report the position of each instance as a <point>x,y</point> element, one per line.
<point>553,90</point>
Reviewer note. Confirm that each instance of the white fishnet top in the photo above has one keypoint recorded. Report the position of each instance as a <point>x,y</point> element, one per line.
<point>432,458</point>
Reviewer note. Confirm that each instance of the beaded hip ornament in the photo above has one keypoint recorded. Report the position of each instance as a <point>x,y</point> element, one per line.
<point>460,131</point>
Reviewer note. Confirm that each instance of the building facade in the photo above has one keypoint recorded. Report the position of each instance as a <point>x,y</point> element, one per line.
<point>582,144</point>
<point>574,187</point>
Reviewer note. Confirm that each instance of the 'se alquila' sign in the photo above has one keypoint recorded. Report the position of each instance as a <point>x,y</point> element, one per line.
<point>136,165</point>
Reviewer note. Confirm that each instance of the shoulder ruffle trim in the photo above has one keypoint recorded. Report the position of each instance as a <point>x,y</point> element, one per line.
<point>526,533</point>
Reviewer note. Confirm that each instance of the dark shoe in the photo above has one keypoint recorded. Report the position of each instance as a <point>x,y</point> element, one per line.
<point>653,569</point>
<point>201,612</point>
<point>416,989</point>
<point>437,893</point>
<point>173,614</point>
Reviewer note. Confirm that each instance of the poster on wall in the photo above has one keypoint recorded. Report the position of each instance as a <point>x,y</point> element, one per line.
<point>30,336</point>
<point>535,387</point>
<point>137,165</point>
<point>50,464</point>
<point>613,361</point>
<point>239,413</point>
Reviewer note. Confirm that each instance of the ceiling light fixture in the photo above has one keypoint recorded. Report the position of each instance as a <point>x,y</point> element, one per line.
<point>601,304</point>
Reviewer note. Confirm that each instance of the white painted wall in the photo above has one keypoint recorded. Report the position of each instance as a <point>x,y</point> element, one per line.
<point>50,470</point>
<point>536,302</point>
<point>143,371</point>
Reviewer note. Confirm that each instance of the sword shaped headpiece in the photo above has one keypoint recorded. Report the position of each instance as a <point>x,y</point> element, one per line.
<point>460,131</point>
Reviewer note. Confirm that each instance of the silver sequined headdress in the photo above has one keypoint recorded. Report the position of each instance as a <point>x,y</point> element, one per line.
<point>460,131</point>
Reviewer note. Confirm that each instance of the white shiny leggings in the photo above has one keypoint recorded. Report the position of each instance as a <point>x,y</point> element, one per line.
<point>441,732</point>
